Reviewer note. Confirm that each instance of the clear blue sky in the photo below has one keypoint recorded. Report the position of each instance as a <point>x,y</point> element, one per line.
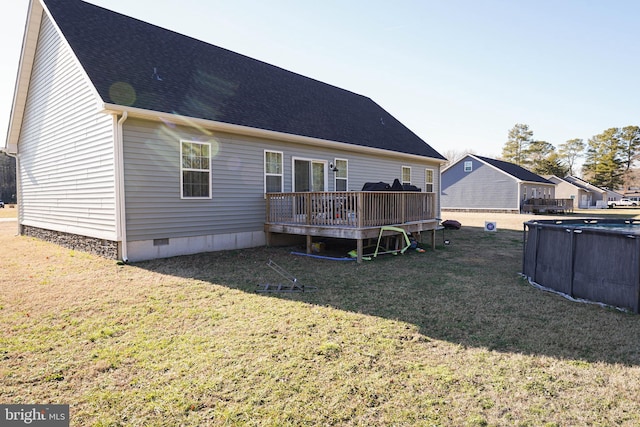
<point>459,73</point>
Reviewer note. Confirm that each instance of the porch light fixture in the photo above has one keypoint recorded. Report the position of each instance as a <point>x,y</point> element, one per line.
<point>333,167</point>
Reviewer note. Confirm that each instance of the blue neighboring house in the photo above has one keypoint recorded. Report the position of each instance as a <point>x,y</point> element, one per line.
<point>476,183</point>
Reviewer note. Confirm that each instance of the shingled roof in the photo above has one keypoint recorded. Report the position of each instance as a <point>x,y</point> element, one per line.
<point>514,170</point>
<point>173,73</point>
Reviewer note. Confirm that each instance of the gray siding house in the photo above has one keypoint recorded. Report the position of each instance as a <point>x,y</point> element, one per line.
<point>138,152</point>
<point>583,194</point>
<point>476,183</point>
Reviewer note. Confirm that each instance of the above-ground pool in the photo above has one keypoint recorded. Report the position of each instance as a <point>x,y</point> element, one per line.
<point>592,259</point>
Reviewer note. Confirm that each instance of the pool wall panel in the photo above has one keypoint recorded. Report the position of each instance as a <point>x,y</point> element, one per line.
<point>605,268</point>
<point>591,264</point>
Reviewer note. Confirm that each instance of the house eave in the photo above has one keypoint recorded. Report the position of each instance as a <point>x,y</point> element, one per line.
<point>25,67</point>
<point>36,13</point>
<point>550,184</point>
<point>520,180</point>
<point>254,132</point>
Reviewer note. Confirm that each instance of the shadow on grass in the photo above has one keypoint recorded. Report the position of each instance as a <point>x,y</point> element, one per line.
<point>468,293</point>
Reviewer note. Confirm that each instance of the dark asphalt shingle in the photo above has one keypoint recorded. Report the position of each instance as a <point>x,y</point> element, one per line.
<point>200,80</point>
<point>515,170</point>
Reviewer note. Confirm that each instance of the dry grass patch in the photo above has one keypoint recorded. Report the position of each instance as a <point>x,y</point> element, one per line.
<point>451,337</point>
<point>9,211</point>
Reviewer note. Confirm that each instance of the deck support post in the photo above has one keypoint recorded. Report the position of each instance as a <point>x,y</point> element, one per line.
<point>433,239</point>
<point>309,243</point>
<point>359,249</point>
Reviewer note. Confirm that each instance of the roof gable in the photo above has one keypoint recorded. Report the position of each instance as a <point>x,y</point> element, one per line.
<point>578,182</point>
<point>135,64</point>
<point>514,170</point>
<point>563,181</point>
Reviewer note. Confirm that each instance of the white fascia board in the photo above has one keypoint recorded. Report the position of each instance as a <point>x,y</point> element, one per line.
<point>255,132</point>
<point>548,184</point>
<point>25,66</point>
<point>449,166</point>
<point>593,188</point>
<point>37,11</point>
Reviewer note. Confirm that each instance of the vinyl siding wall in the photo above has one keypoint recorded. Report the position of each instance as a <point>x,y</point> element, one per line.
<point>65,148</point>
<point>582,198</point>
<point>155,209</point>
<point>483,188</point>
<point>537,190</point>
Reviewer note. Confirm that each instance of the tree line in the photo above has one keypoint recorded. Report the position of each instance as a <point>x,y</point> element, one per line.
<point>7,178</point>
<point>609,157</point>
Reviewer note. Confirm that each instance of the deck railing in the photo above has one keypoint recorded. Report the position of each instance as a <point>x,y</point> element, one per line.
<point>350,208</point>
<point>548,206</point>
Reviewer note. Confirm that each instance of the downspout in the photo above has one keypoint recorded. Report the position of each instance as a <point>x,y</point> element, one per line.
<point>438,212</point>
<point>18,193</point>
<point>121,215</point>
<point>520,197</point>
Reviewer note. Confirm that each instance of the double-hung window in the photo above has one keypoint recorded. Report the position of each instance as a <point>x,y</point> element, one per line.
<point>428,180</point>
<point>273,176</point>
<point>406,175</point>
<point>195,170</point>
<point>341,174</point>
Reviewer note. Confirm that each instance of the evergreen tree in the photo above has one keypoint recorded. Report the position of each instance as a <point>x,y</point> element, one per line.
<point>515,149</point>
<point>536,153</point>
<point>603,164</point>
<point>543,159</point>
<point>629,145</point>
<point>551,165</point>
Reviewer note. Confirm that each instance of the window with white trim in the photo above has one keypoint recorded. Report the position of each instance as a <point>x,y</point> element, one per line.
<point>428,180</point>
<point>273,175</point>
<point>468,166</point>
<point>195,170</point>
<point>341,174</point>
<point>309,174</point>
<point>406,175</point>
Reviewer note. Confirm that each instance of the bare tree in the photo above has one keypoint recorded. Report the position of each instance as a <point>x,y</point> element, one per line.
<point>570,151</point>
<point>453,156</point>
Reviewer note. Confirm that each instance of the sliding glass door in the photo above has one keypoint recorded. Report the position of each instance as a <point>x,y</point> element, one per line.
<point>309,175</point>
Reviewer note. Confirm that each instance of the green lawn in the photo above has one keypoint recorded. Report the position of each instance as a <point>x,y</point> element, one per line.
<point>452,337</point>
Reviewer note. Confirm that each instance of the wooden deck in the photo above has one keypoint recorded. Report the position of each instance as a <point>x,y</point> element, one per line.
<point>548,206</point>
<point>357,215</point>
